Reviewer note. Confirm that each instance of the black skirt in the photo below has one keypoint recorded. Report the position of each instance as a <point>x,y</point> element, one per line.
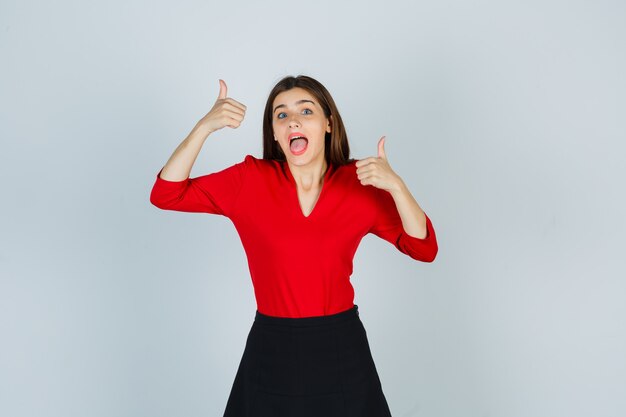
<point>301,367</point>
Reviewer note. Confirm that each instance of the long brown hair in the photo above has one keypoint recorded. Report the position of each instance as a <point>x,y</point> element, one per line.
<point>336,148</point>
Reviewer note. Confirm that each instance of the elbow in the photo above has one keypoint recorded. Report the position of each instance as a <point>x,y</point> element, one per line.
<point>430,257</point>
<point>157,202</point>
<point>424,255</point>
<point>424,250</point>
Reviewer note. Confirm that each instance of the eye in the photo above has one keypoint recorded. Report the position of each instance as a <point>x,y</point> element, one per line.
<point>281,115</point>
<point>307,111</point>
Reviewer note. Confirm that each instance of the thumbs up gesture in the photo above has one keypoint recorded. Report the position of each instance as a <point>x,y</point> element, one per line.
<point>225,112</point>
<point>377,172</point>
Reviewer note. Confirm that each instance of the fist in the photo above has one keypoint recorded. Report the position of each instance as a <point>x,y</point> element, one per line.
<point>225,112</point>
<point>376,171</point>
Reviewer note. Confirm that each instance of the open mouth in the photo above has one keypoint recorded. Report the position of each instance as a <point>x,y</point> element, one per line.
<point>297,143</point>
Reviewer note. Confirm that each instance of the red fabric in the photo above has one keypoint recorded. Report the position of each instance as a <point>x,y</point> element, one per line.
<point>300,266</point>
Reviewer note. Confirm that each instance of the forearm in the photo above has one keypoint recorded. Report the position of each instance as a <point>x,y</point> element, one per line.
<point>377,172</point>
<point>225,112</point>
<point>178,167</point>
<point>412,215</point>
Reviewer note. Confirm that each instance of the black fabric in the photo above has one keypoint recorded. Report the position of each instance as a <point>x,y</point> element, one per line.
<point>308,367</point>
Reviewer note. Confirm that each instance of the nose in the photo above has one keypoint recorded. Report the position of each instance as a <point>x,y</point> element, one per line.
<point>293,122</point>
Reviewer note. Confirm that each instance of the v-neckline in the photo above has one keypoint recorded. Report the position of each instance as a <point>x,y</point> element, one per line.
<point>294,187</point>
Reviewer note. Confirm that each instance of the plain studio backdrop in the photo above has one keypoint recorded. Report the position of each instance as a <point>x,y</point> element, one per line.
<point>506,120</point>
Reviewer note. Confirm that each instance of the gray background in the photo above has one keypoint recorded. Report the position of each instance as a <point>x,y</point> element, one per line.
<point>506,120</point>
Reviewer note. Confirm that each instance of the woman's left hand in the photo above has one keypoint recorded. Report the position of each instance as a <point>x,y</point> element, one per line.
<point>377,172</point>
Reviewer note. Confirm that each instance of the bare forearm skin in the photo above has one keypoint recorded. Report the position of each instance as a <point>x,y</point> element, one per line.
<point>412,215</point>
<point>225,112</point>
<point>178,167</point>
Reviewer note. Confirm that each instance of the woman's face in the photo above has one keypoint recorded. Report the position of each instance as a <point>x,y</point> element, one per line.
<point>299,126</point>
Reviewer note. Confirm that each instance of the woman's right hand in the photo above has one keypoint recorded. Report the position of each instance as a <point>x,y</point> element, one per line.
<point>225,112</point>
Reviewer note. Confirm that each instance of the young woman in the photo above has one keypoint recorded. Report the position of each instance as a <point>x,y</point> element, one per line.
<point>301,212</point>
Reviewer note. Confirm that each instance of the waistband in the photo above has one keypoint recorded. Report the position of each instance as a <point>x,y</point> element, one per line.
<point>347,315</point>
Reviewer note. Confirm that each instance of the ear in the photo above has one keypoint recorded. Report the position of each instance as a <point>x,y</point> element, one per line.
<point>328,126</point>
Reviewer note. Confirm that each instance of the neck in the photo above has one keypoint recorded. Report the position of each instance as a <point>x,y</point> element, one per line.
<point>309,176</point>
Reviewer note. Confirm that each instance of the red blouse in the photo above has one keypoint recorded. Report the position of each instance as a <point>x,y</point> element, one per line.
<point>300,266</point>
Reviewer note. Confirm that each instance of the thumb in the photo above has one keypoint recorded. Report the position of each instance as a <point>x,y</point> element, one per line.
<point>381,148</point>
<point>223,90</point>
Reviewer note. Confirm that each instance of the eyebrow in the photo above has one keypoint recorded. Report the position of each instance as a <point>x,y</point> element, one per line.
<point>297,103</point>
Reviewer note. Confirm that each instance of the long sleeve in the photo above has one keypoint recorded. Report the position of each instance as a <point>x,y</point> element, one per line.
<point>299,266</point>
<point>388,226</point>
<point>213,193</point>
